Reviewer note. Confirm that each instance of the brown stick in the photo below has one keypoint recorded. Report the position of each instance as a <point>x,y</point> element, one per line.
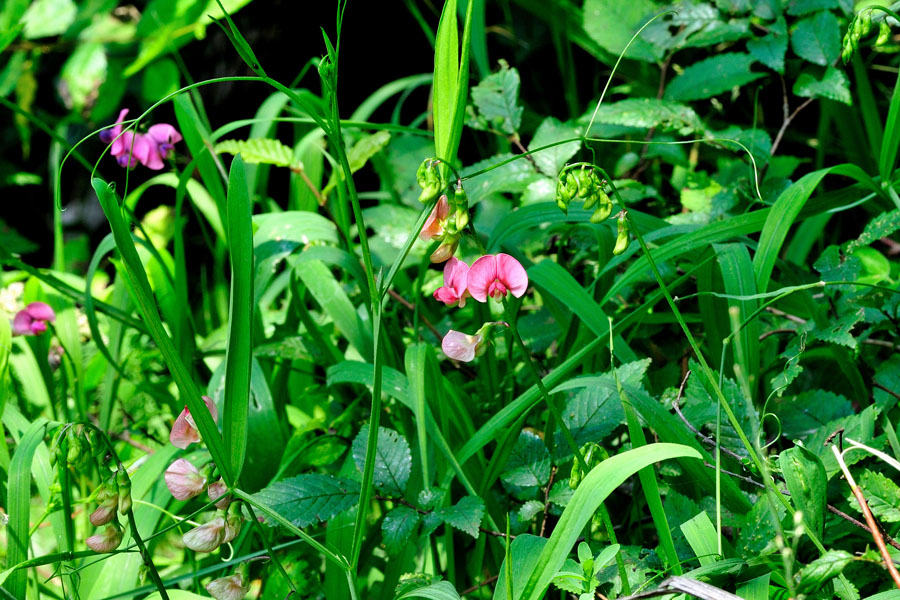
<point>477,586</point>
<point>876,535</point>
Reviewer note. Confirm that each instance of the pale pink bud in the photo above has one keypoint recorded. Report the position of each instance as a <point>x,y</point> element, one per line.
<point>184,480</point>
<point>107,540</point>
<point>462,347</point>
<point>216,491</point>
<point>184,431</point>
<point>105,512</point>
<point>207,537</point>
<point>454,289</point>
<point>495,274</point>
<point>228,588</point>
<point>445,250</point>
<point>434,224</point>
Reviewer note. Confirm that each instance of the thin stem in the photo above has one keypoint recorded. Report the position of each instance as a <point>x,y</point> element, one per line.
<point>265,540</point>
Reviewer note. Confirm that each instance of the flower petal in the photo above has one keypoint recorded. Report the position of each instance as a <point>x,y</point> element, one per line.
<point>211,405</point>
<point>21,324</point>
<point>480,276</point>
<point>184,480</point>
<point>459,346</point>
<point>227,588</point>
<point>205,538</point>
<point>42,311</point>
<point>183,434</point>
<point>163,133</point>
<point>433,227</point>
<point>512,274</point>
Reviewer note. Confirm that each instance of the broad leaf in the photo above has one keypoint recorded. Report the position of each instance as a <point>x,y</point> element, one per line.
<point>647,113</point>
<point>817,38</point>
<point>714,75</point>
<point>833,85</point>
<point>612,23</point>
<point>817,573</point>
<point>529,462</point>
<point>310,498</point>
<point>771,48</point>
<point>393,459</point>
<point>881,226</point>
<point>465,515</point>
<point>496,101</point>
<point>804,475</point>
<point>882,496</point>
<point>552,160</point>
<point>398,527</point>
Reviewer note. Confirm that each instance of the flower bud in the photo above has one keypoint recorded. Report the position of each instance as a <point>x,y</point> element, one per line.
<point>233,587</point>
<point>217,493</point>
<point>232,527</point>
<point>884,33</point>
<point>107,540</point>
<point>429,179</point>
<point>622,238</point>
<point>462,218</point>
<point>106,512</point>
<point>184,480</point>
<point>446,249</point>
<point>124,483</point>
<point>207,537</point>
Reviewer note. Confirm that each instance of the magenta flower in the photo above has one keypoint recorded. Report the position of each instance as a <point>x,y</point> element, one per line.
<point>232,587</point>
<point>434,224</point>
<point>161,140</point>
<point>149,149</point>
<point>184,480</point>
<point>184,431</point>
<point>107,540</point>
<point>111,136</point>
<point>207,537</point>
<point>462,347</point>
<point>454,289</point>
<point>495,274</point>
<point>33,319</point>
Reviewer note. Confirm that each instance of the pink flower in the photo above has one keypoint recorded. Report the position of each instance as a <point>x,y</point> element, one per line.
<point>33,319</point>
<point>184,431</point>
<point>107,540</point>
<point>161,140</point>
<point>149,149</point>
<point>454,288</point>
<point>216,491</point>
<point>111,136</point>
<point>105,512</point>
<point>207,537</point>
<point>495,274</point>
<point>462,347</point>
<point>228,588</point>
<point>184,480</point>
<point>434,227</point>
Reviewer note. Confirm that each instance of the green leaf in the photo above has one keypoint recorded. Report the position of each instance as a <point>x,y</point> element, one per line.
<point>238,344</point>
<point>591,414</point>
<point>529,509</point>
<point>817,38</point>
<point>882,496</point>
<point>512,177</point>
<point>393,460</point>
<point>465,515</point>
<point>365,148</point>
<point>881,226</point>
<point>804,7</point>
<point>46,18</point>
<point>529,462</point>
<point>594,489</point>
<point>838,332</point>
<point>442,590</point>
<point>398,528</point>
<point>496,99</point>
<point>820,571</point>
<point>711,76</point>
<point>804,475</point>
<point>809,412</point>
<point>648,113</point>
<point>259,151</point>
<point>701,535</point>
<point>833,85</point>
<point>310,498</point>
<point>612,23</point>
<point>771,48</point>
<point>82,74</point>
<point>758,533</point>
<point>552,160</point>
<point>524,553</point>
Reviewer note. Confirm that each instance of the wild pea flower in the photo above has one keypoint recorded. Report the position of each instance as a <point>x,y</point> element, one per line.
<point>105,512</point>
<point>184,431</point>
<point>495,274</point>
<point>184,480</point>
<point>216,492</point>
<point>233,587</point>
<point>161,140</point>
<point>206,537</point>
<point>33,319</point>
<point>232,527</point>
<point>434,224</point>
<point>150,149</point>
<point>454,289</point>
<point>463,347</point>
<point>107,540</point>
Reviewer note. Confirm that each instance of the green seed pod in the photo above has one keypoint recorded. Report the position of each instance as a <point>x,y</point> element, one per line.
<point>846,51</point>
<point>865,23</point>
<point>585,186</point>
<point>563,197</point>
<point>884,34</point>
<point>462,218</point>
<point>124,483</point>
<point>591,200</point>
<point>622,238</point>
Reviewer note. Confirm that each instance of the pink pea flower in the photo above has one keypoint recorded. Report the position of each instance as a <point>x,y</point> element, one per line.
<point>107,540</point>
<point>454,289</point>
<point>462,347</point>
<point>434,227</point>
<point>495,274</point>
<point>33,319</point>
<point>216,492</point>
<point>232,587</point>
<point>105,512</point>
<point>161,140</point>
<point>184,431</point>
<point>149,149</point>
<point>111,136</point>
<point>207,537</point>
<point>184,480</point>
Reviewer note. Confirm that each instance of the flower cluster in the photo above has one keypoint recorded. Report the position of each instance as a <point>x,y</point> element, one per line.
<point>580,181</point>
<point>492,275</point>
<point>450,214</point>
<point>114,498</point>
<point>33,319</point>
<point>185,481</point>
<point>150,149</point>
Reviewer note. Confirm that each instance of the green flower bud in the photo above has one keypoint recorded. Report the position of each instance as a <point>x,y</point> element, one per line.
<point>585,185</point>
<point>462,218</point>
<point>603,210</point>
<point>124,484</point>
<point>884,33</point>
<point>865,23</point>
<point>622,238</point>
<point>429,179</point>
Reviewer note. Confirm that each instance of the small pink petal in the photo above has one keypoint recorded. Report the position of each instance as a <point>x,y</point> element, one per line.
<point>228,588</point>
<point>459,346</point>
<point>183,434</point>
<point>216,492</point>
<point>21,324</point>
<point>482,274</point>
<point>184,480</point>
<point>42,311</point>
<point>38,327</point>
<point>433,227</point>
<point>163,133</point>
<point>211,405</point>
<point>105,541</point>
<point>206,538</point>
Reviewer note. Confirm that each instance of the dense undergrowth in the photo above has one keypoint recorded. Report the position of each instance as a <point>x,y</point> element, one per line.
<point>450,342</point>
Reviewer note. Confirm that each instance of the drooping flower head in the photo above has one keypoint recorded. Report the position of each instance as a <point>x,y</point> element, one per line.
<point>454,289</point>
<point>494,275</point>
<point>462,347</point>
<point>149,149</point>
<point>184,431</point>
<point>105,512</point>
<point>161,139</point>
<point>206,537</point>
<point>107,540</point>
<point>184,480</point>
<point>33,319</point>
<point>434,224</point>
<point>233,587</point>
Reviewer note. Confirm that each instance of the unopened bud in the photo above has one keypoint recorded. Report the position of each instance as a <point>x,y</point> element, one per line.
<point>884,33</point>
<point>445,250</point>
<point>217,493</point>
<point>207,537</point>
<point>104,513</point>
<point>107,540</point>
<point>622,238</point>
<point>124,483</point>
<point>233,587</point>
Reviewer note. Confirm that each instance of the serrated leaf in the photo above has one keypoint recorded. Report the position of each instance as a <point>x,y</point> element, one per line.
<point>804,7</point>
<point>758,533</point>
<point>531,508</point>
<point>817,573</point>
<point>442,590</point>
<point>881,226</point>
<point>882,496</point>
<point>859,427</point>
<point>771,48</point>
<point>552,160</point>
<point>809,412</point>
<point>570,577</point>
<point>817,38</point>
<point>512,177</point>
<point>529,462</point>
<point>393,460</point>
<point>310,498</point>
<point>82,75</point>
<point>839,331</point>
<point>258,151</point>
<point>561,493</point>
<point>465,515</point>
<point>398,527</point>
<point>612,23</point>
<point>712,76</point>
<point>496,100</point>
<point>591,414</point>
<point>647,113</point>
<point>834,267</point>
<point>833,85</point>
